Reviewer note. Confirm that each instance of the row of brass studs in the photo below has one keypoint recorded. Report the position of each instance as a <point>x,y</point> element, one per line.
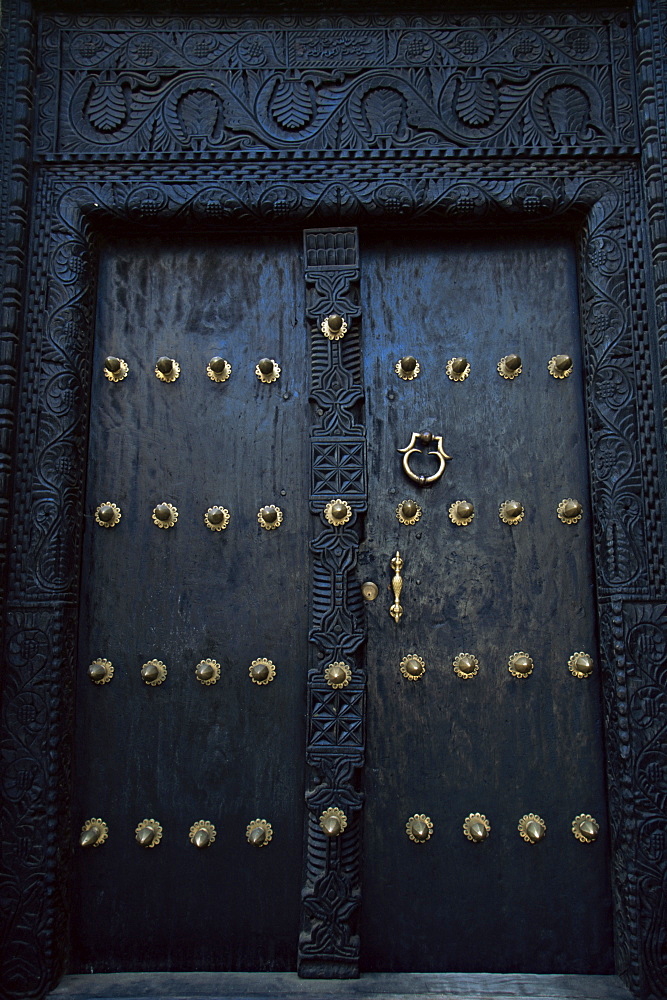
<point>458,369</point>
<point>154,672</point>
<point>168,369</point>
<point>165,515</point>
<point>477,828</point>
<point>94,832</point>
<point>461,512</point>
<point>520,664</point>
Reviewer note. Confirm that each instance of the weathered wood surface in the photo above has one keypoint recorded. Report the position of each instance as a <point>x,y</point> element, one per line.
<point>286,986</point>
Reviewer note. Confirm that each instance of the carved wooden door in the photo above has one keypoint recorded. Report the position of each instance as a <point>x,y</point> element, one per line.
<point>482,729</point>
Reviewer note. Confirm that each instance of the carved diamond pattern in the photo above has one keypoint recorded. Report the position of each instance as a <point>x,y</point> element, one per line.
<point>336,719</point>
<point>339,467</point>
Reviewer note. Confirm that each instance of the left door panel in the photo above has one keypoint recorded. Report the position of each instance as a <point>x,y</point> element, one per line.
<point>182,751</point>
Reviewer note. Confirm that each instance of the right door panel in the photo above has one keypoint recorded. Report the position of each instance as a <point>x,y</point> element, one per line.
<point>502,745</point>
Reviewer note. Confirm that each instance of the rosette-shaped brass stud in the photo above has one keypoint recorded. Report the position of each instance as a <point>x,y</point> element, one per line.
<point>407,368</point>
<point>338,512</point>
<point>466,666</point>
<point>570,511</point>
<point>270,516</point>
<point>202,833</point>
<point>148,833</point>
<point>532,828</point>
<point>333,327</point>
<point>153,672</point>
<point>333,821</point>
<point>216,518</point>
<point>167,370</point>
<point>511,511</point>
<point>267,370</point>
<point>510,366</point>
<point>107,514</point>
<point>520,664</point>
<point>262,671</point>
<point>338,674</point>
<point>419,828</point>
<point>100,671</point>
<point>476,827</point>
<point>561,366</point>
<point>165,515</point>
<point>461,512</point>
<point>207,672</point>
<point>93,833</point>
<point>259,833</point>
<point>218,370</point>
<point>458,369</point>
<point>585,828</point>
<point>412,667</point>
<point>115,369</point>
<point>408,511</point>
<point>580,665</point>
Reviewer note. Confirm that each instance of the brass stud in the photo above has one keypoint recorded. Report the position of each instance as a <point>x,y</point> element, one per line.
<point>218,370</point>
<point>270,517</point>
<point>532,828</point>
<point>570,511</point>
<point>520,664</point>
<point>259,833</point>
<point>466,666</point>
<point>333,822</point>
<point>561,366</point>
<point>165,515</point>
<point>338,512</point>
<point>510,366</point>
<point>107,514</point>
<point>408,511</point>
<point>408,368</point>
<point>202,833</point>
<point>267,370</point>
<point>148,833</point>
<point>476,827</point>
<point>153,672</point>
<point>580,665</point>
<point>262,671</point>
<point>115,369</point>
<point>370,590</point>
<point>461,512</point>
<point>167,370</point>
<point>333,327</point>
<point>100,671</point>
<point>338,674</point>
<point>412,667</point>
<point>216,518</point>
<point>93,833</point>
<point>419,828</point>
<point>585,828</point>
<point>207,672</point>
<point>511,512</point>
<point>458,369</point>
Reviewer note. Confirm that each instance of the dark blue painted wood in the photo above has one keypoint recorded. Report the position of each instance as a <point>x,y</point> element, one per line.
<point>495,744</point>
<point>182,752</point>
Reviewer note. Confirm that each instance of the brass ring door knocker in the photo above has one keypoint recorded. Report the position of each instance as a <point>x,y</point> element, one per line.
<point>439,453</point>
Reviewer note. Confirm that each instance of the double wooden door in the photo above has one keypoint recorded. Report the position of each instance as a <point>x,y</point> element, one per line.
<point>447,739</point>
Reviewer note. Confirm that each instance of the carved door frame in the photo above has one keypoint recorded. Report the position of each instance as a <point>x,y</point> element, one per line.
<point>603,184</point>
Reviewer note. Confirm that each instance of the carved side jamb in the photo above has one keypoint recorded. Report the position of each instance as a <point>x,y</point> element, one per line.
<point>477,195</point>
<point>17,87</point>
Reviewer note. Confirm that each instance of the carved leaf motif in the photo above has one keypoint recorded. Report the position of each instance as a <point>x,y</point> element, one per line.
<point>568,110</point>
<point>107,109</point>
<point>476,101</point>
<point>292,106</point>
<point>198,113</point>
<point>383,111</point>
